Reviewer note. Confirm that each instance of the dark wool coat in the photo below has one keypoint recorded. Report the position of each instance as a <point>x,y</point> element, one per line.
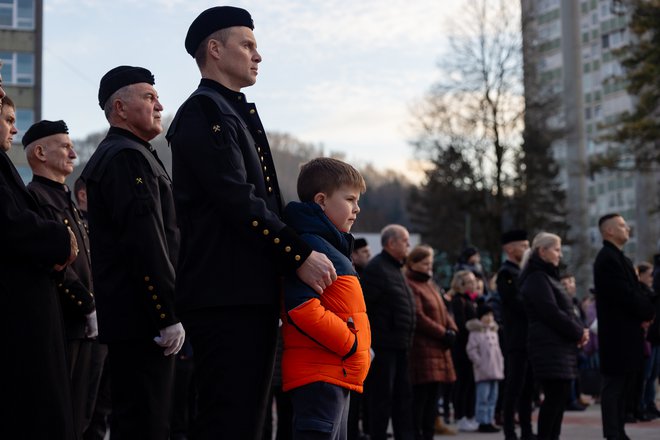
<point>134,235</point>
<point>35,399</point>
<point>234,244</point>
<point>390,304</point>
<point>514,315</point>
<point>74,286</point>
<point>430,359</point>
<point>554,330</point>
<point>621,308</point>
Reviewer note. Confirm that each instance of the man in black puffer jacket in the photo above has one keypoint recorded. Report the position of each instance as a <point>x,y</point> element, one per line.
<point>391,311</point>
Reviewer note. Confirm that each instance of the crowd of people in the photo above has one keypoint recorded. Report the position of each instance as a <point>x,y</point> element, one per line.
<point>158,307</point>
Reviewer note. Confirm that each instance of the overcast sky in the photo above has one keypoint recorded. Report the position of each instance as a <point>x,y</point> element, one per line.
<point>341,73</point>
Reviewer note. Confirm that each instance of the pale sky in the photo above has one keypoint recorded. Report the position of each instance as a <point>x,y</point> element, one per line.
<point>340,73</point>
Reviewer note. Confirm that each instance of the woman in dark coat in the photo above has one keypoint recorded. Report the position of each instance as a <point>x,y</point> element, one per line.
<point>431,364</point>
<point>554,330</point>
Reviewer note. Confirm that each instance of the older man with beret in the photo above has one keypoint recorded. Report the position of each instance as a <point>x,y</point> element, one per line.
<point>135,239</point>
<point>235,246</point>
<point>35,398</point>
<point>51,157</point>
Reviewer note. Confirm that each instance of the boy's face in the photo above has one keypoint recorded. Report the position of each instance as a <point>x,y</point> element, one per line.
<point>341,207</point>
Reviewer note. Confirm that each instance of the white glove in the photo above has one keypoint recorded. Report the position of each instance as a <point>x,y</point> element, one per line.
<point>91,325</point>
<point>171,338</point>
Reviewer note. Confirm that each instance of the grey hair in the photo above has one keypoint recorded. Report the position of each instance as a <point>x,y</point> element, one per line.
<point>390,232</point>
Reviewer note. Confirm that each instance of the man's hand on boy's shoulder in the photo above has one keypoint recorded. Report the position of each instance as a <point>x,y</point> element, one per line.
<point>317,272</point>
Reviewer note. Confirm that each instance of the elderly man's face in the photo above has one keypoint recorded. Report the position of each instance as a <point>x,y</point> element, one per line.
<point>59,154</point>
<point>399,246</point>
<point>7,127</point>
<point>142,111</point>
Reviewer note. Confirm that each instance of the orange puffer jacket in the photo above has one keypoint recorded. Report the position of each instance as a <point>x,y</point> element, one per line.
<point>326,337</point>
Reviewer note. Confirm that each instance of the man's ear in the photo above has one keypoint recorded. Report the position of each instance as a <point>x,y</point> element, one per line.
<point>40,153</point>
<point>320,199</point>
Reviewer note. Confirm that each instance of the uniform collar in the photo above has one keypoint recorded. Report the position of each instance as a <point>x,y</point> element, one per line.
<point>48,182</point>
<point>127,134</point>
<point>230,95</point>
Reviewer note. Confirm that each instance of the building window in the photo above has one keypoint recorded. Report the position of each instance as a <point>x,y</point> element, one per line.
<point>18,68</point>
<point>24,119</point>
<point>17,14</point>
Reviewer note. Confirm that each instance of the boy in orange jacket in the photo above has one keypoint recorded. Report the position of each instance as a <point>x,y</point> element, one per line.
<point>326,337</point>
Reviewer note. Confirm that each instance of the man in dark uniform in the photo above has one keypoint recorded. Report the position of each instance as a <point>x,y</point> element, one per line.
<point>35,396</point>
<point>622,310</point>
<point>234,246</point>
<point>519,384</point>
<point>133,231</point>
<point>51,156</point>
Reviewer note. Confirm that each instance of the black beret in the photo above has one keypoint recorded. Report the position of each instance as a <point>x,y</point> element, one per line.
<point>42,129</point>
<point>214,19</point>
<point>359,243</point>
<point>122,76</point>
<point>514,235</point>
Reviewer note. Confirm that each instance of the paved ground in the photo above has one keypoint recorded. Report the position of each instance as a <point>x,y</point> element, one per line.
<point>582,425</point>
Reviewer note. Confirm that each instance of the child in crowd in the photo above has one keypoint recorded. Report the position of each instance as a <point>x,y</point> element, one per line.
<point>483,348</point>
<point>326,337</point>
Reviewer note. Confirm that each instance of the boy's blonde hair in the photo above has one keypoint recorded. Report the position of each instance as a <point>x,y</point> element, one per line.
<point>326,175</point>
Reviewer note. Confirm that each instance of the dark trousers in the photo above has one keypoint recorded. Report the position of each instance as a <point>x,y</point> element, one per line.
<point>234,353</point>
<point>613,397</point>
<point>551,414</point>
<point>356,412</point>
<point>80,372</point>
<point>390,395</point>
<point>464,392</point>
<point>425,408</point>
<point>141,380</point>
<point>518,394</point>
<point>320,411</point>
<point>100,398</point>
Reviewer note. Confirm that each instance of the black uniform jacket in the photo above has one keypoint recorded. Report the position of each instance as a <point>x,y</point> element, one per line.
<point>513,308</point>
<point>134,235</point>
<point>390,303</point>
<point>74,284</point>
<point>621,308</point>
<point>234,245</point>
<point>35,400</point>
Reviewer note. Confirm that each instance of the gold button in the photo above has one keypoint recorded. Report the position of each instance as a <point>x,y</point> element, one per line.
<point>66,222</point>
<point>80,303</point>
<point>146,278</point>
<point>255,223</point>
<point>267,178</point>
<point>265,169</point>
<point>162,316</point>
<point>258,149</point>
<point>158,306</point>
<point>270,189</point>
<point>252,111</point>
<point>276,240</point>
<point>91,294</point>
<point>261,158</point>
<point>297,258</point>
<point>150,288</point>
<point>287,249</point>
<point>154,297</point>
<point>59,285</point>
<point>66,290</point>
<point>73,296</point>
<point>266,232</point>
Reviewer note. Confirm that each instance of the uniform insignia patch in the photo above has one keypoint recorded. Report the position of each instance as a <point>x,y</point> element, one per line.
<point>138,180</point>
<point>216,128</point>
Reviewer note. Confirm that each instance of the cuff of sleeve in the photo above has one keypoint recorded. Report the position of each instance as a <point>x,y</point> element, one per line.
<point>290,248</point>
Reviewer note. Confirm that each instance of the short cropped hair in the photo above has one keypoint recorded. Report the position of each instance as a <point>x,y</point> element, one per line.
<point>326,175</point>
<point>606,217</point>
<point>7,102</point>
<point>221,35</point>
